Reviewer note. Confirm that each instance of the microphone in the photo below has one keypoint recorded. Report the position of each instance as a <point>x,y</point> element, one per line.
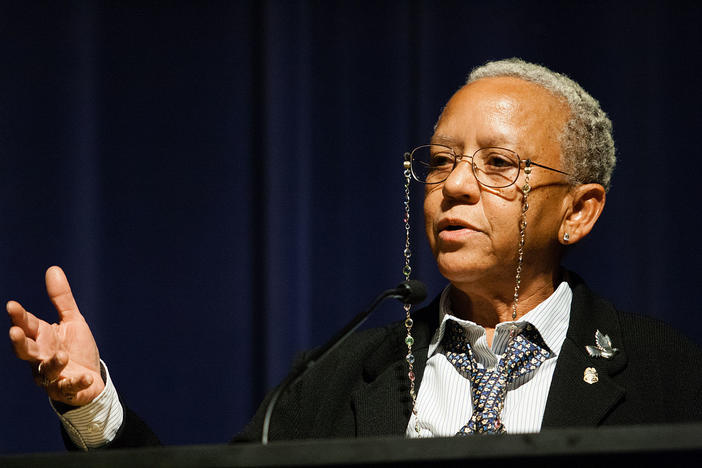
<point>411,292</point>
<point>407,292</point>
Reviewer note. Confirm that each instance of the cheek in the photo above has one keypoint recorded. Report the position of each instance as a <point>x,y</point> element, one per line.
<point>502,216</point>
<point>432,209</point>
<point>428,219</point>
<point>543,224</point>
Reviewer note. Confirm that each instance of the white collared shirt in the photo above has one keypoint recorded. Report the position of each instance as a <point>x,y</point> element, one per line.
<point>444,403</point>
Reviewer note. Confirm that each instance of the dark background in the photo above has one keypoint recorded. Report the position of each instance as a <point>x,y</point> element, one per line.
<point>222,181</point>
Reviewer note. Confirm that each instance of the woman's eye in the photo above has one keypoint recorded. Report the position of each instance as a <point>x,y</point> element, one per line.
<point>498,161</point>
<point>439,160</point>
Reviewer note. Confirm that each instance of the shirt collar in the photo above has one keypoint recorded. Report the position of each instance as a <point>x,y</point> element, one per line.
<point>550,318</point>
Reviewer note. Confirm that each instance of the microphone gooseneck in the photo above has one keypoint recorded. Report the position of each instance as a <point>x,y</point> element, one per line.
<point>407,292</point>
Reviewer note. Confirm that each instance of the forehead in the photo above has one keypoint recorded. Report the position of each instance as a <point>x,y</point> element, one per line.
<point>503,111</point>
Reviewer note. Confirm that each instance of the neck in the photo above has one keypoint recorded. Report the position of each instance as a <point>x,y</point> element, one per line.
<point>488,309</point>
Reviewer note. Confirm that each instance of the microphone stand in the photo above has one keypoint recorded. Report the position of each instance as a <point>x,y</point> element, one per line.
<point>409,292</point>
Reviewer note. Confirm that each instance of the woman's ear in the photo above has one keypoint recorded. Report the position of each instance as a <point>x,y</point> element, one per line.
<point>586,204</point>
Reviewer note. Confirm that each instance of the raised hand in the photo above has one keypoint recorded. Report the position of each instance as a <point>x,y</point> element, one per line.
<point>63,356</point>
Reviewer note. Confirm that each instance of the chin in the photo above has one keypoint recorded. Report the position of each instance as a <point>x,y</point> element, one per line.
<point>475,267</point>
<point>461,270</point>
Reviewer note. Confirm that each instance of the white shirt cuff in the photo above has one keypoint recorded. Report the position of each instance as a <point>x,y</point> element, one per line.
<point>95,424</point>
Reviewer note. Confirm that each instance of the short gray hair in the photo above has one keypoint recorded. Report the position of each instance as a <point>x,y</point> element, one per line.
<point>587,145</point>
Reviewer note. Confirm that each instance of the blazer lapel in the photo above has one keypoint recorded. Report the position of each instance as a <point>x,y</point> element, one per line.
<point>383,405</point>
<point>573,399</point>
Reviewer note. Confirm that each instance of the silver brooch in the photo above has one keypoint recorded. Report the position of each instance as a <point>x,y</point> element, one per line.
<point>604,347</point>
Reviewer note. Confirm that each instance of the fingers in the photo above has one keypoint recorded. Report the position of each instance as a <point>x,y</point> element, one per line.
<point>69,387</point>
<point>25,348</point>
<point>59,292</point>
<point>23,319</point>
<point>25,332</point>
<point>52,368</point>
<point>48,371</point>
<point>76,390</point>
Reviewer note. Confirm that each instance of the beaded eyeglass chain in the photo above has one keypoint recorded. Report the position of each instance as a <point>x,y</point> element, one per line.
<point>407,271</point>
<point>526,188</point>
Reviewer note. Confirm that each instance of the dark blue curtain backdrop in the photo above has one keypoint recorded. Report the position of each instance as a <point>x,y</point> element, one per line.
<point>222,181</point>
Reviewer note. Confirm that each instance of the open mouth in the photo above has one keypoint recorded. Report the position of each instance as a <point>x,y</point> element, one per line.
<point>454,227</point>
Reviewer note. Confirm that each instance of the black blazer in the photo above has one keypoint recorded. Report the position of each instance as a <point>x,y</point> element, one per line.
<point>362,389</point>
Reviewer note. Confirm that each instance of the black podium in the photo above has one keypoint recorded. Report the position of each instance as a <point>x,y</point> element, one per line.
<point>671,445</point>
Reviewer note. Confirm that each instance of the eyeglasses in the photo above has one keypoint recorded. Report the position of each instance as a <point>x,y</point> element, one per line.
<point>493,167</point>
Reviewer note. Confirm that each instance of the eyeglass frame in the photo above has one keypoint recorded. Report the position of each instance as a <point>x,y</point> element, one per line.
<point>457,157</point>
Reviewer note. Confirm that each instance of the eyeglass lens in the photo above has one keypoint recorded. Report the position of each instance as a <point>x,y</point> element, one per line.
<point>493,167</point>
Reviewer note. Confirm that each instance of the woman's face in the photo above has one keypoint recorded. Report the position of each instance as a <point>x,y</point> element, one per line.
<point>474,230</point>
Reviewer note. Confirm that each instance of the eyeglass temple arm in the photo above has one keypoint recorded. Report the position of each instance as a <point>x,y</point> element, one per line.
<point>529,162</point>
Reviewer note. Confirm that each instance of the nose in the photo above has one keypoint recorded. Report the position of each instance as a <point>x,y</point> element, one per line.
<point>461,183</point>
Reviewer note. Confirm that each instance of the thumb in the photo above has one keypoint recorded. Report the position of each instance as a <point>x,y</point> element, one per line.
<point>59,292</point>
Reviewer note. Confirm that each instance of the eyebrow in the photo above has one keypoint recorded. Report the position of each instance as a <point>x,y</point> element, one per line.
<point>493,141</point>
<point>445,140</point>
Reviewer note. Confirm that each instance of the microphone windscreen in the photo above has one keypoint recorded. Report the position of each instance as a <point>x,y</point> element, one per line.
<point>413,291</point>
